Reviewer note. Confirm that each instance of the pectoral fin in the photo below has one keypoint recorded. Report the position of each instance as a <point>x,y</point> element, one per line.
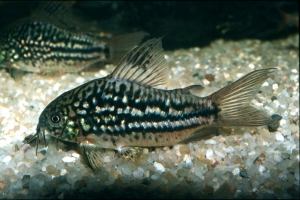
<point>92,155</point>
<point>131,153</point>
<point>17,74</point>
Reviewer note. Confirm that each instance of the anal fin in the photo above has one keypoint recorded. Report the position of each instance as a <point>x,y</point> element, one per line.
<point>131,153</point>
<point>17,74</point>
<point>202,134</point>
<point>92,155</point>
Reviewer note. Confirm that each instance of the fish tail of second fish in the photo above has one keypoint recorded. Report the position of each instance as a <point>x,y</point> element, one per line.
<point>120,45</point>
<point>233,102</point>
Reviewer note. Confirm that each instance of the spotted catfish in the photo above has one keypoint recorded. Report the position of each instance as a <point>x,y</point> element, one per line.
<point>42,45</point>
<point>125,110</point>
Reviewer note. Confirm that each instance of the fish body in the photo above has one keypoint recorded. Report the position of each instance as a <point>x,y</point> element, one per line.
<point>43,47</point>
<point>40,47</point>
<point>125,110</point>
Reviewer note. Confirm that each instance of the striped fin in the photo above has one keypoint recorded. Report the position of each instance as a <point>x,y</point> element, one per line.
<point>144,64</point>
<point>122,44</point>
<point>92,155</point>
<point>58,13</point>
<point>234,101</point>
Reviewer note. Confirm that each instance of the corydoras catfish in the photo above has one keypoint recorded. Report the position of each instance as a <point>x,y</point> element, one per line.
<point>125,110</point>
<point>43,43</point>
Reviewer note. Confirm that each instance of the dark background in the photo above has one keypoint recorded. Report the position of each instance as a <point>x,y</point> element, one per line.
<point>183,24</point>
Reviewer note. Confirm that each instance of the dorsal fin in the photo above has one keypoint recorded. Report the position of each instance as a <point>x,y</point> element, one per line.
<point>144,64</point>
<point>58,13</point>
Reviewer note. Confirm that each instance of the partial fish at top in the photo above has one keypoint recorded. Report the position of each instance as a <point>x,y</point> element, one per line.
<point>124,111</point>
<point>41,46</point>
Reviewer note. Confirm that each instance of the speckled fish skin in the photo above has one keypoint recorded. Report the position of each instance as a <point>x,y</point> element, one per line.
<point>42,47</point>
<point>117,114</point>
<point>125,109</point>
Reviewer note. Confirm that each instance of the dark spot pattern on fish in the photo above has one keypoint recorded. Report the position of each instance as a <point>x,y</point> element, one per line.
<point>39,42</point>
<point>117,111</point>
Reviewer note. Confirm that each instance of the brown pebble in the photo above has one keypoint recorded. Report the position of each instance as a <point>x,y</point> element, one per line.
<point>222,140</point>
<point>290,190</point>
<point>232,189</point>
<point>184,150</point>
<point>2,185</point>
<point>188,180</point>
<point>209,189</point>
<point>257,162</point>
<point>209,77</point>
<point>284,77</point>
<point>215,164</point>
<point>235,159</point>
<point>200,156</point>
<point>50,169</point>
<point>235,139</point>
<point>117,175</point>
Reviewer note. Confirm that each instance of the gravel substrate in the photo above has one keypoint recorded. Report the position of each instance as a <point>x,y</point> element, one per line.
<point>249,163</point>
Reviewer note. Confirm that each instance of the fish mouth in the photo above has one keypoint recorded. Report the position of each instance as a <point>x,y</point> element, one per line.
<point>39,131</point>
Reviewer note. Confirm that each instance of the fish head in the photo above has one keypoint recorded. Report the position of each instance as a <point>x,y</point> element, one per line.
<point>58,121</point>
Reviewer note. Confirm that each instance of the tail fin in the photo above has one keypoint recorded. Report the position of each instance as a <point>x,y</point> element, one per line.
<point>234,100</point>
<point>122,44</point>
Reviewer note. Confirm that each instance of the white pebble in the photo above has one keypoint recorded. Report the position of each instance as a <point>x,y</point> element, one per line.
<point>282,176</point>
<point>137,174</point>
<point>63,172</point>
<point>68,159</point>
<point>230,149</point>
<point>75,154</point>
<point>284,123</point>
<point>6,159</point>
<point>221,154</point>
<point>287,132</point>
<point>210,142</point>
<point>141,169</point>
<point>126,171</point>
<point>209,153</point>
<point>261,169</point>
<point>188,160</point>
<point>279,137</point>
<point>244,153</point>
<point>159,167</point>
<point>154,177</point>
<point>277,157</point>
<point>4,111</point>
<point>30,155</point>
<point>106,159</point>
<point>236,171</point>
<point>79,80</point>
<point>275,86</point>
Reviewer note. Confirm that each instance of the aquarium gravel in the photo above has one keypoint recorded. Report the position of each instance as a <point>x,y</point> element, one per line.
<point>243,163</point>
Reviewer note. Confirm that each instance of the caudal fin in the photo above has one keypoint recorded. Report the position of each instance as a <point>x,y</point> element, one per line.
<point>234,101</point>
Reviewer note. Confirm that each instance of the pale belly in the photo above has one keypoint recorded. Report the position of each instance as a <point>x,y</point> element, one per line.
<point>141,140</point>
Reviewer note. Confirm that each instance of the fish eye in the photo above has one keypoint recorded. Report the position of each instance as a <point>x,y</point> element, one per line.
<point>55,118</point>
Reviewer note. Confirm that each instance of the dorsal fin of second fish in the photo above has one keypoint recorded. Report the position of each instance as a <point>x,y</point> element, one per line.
<point>58,13</point>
